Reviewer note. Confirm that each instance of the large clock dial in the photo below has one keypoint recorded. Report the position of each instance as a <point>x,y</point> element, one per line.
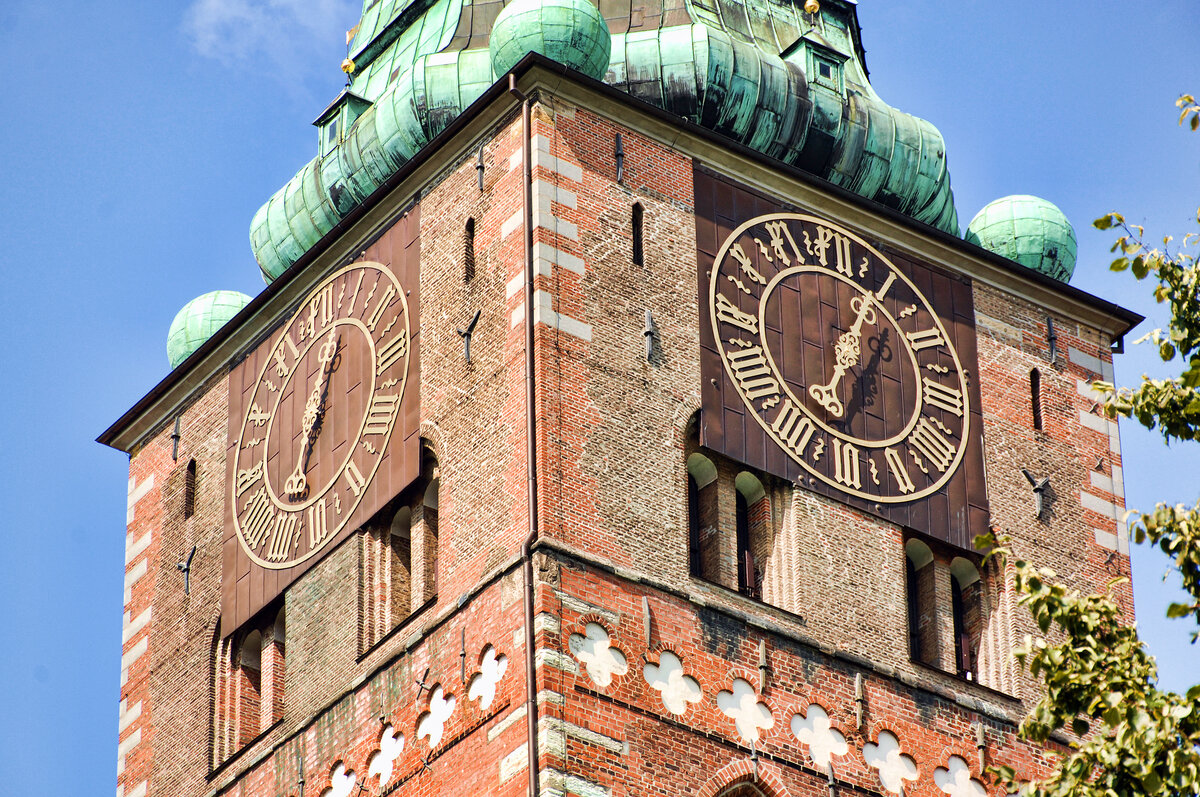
<point>320,415</point>
<point>840,357</point>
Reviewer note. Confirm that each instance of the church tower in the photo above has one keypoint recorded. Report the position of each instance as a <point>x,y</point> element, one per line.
<point>618,419</point>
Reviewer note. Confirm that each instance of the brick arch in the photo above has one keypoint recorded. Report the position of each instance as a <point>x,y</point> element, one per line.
<point>686,413</point>
<point>761,775</point>
<point>431,436</point>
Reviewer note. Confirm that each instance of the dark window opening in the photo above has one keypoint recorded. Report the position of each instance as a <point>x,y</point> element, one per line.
<point>189,490</point>
<point>695,561</point>
<point>746,574</point>
<point>638,256</point>
<point>469,251</point>
<point>1035,397</point>
<point>914,611</point>
<point>962,642</point>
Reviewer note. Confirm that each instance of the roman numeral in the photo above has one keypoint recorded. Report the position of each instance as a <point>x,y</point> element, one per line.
<point>752,373</point>
<point>286,530</point>
<point>946,398</point>
<point>739,254</point>
<point>392,351</point>
<point>845,464</point>
<point>357,285</point>
<point>932,439</point>
<point>384,301</point>
<point>899,471</point>
<point>727,312</point>
<point>320,308</point>
<point>247,477</point>
<point>925,338</point>
<point>281,368</point>
<point>354,479</point>
<point>779,230</point>
<point>318,526</point>
<point>793,427</point>
<point>381,414</point>
<point>259,519</point>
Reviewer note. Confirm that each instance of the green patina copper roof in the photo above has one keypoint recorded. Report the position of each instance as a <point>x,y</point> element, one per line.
<point>199,319</point>
<point>762,72</point>
<point>571,32</point>
<point>1029,230</point>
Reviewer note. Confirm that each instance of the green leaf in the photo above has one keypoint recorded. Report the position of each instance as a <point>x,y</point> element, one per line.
<point>1178,610</point>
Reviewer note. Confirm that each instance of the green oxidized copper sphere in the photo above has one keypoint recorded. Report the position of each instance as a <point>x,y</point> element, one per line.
<point>199,319</point>
<point>571,32</point>
<point>1029,230</point>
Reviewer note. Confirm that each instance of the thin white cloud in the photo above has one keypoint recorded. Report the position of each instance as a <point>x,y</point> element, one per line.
<point>293,38</point>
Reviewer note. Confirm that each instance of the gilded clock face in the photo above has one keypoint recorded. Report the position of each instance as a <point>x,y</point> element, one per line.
<point>840,356</point>
<point>320,415</point>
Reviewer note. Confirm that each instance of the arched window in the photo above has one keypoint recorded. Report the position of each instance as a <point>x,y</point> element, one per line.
<point>189,490</point>
<point>469,251</point>
<point>752,511</point>
<point>921,602</point>
<point>638,251</point>
<point>703,535</point>
<point>965,587</point>
<point>1035,397</point>
<point>248,687</point>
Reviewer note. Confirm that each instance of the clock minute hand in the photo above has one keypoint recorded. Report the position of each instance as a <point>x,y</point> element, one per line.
<point>297,483</point>
<point>847,351</point>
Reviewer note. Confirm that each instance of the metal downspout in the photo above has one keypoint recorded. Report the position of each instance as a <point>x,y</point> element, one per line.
<point>531,442</point>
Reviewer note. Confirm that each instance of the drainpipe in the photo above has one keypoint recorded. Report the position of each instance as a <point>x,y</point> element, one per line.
<point>531,441</point>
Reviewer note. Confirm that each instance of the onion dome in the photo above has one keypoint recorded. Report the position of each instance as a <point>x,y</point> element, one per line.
<point>1029,230</point>
<point>199,319</point>
<point>571,32</point>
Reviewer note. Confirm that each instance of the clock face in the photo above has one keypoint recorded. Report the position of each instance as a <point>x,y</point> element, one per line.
<point>320,415</point>
<point>840,357</point>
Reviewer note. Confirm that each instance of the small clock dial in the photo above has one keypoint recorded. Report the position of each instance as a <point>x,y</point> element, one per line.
<point>840,357</point>
<point>320,415</point>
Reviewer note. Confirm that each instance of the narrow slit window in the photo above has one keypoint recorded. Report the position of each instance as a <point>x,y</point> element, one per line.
<point>1035,397</point>
<point>638,256</point>
<point>469,251</point>
<point>189,490</point>
<point>745,561</point>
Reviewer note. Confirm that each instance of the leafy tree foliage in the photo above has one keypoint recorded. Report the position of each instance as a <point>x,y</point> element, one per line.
<point>1100,681</point>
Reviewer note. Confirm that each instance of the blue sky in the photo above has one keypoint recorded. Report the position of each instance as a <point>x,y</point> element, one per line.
<point>140,137</point>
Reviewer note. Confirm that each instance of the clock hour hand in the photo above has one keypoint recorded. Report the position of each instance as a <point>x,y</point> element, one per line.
<point>847,352</point>
<point>296,484</point>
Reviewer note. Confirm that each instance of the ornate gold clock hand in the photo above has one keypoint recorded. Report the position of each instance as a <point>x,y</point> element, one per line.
<point>847,347</point>
<point>296,484</point>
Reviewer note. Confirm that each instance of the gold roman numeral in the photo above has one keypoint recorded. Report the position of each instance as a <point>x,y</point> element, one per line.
<point>793,427</point>
<point>943,397</point>
<point>925,338</point>
<point>752,373</point>
<point>392,351</point>
<point>286,530</point>
<point>727,312</point>
<point>932,439</point>
<point>354,479</point>
<point>846,465</point>
<point>898,469</point>
<point>318,525</point>
<point>384,301</point>
<point>259,519</point>
<point>381,414</point>
<point>779,231</point>
<point>247,477</point>
<point>739,254</point>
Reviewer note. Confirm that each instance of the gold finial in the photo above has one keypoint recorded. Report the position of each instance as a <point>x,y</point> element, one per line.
<point>812,6</point>
<point>348,66</point>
